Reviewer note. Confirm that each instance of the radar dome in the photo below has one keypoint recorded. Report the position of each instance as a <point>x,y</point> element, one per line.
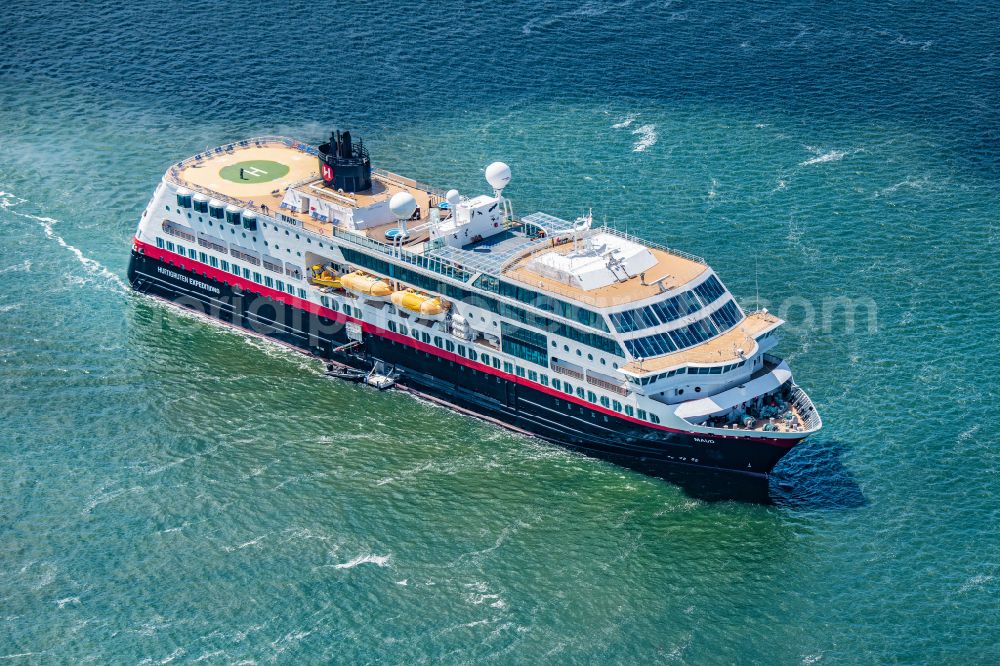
<point>402,205</point>
<point>452,197</point>
<point>498,175</point>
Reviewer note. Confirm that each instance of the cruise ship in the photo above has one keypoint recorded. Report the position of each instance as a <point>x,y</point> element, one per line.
<point>567,330</point>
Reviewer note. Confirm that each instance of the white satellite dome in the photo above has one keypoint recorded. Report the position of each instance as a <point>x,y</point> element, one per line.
<point>402,205</point>
<point>498,175</point>
<point>452,197</point>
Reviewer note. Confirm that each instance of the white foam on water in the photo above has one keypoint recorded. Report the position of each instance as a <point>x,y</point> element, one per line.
<point>626,121</point>
<point>380,560</point>
<point>828,156</point>
<point>647,137</point>
<point>8,201</point>
<point>832,156</point>
<point>173,655</point>
<point>23,267</point>
<point>91,265</point>
<point>247,544</point>
<point>109,497</point>
<point>9,308</point>
<point>912,183</point>
<point>210,655</point>
<point>62,603</point>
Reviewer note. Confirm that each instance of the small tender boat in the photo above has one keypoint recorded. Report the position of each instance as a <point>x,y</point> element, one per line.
<point>344,372</point>
<point>421,305</point>
<point>366,285</point>
<point>324,277</point>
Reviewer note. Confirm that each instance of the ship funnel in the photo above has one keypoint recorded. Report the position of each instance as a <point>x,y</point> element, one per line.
<point>345,165</point>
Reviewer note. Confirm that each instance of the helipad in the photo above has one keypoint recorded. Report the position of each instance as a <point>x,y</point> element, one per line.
<point>254,171</point>
<point>266,169</point>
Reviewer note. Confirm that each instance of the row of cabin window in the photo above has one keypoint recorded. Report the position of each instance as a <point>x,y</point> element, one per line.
<point>542,302</point>
<point>250,258</point>
<point>476,299</point>
<point>715,370</point>
<point>186,201</point>
<point>590,396</point>
<point>225,266</point>
<point>327,302</point>
<point>217,212</point>
<point>221,213</point>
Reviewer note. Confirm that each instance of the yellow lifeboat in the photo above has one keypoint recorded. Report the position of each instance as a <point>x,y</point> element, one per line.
<point>366,285</point>
<point>324,277</point>
<point>421,305</point>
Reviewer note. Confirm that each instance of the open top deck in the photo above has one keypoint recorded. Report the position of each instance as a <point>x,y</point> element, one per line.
<point>670,269</point>
<point>257,173</point>
<point>264,174</point>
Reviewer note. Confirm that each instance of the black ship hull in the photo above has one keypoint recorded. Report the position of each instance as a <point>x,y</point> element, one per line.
<point>430,372</point>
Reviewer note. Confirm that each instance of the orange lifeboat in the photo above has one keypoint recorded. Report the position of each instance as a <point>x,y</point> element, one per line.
<point>420,305</point>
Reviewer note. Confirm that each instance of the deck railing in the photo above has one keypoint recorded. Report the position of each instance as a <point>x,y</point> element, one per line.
<point>569,372</point>
<point>642,241</point>
<point>805,408</point>
<point>606,385</point>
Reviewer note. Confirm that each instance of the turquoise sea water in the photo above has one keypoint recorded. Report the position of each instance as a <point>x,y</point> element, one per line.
<point>174,492</point>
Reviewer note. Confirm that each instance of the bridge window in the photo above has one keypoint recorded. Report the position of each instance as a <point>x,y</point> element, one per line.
<point>184,200</point>
<point>709,290</point>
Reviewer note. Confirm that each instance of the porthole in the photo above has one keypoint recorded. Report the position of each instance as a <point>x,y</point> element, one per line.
<point>697,389</point>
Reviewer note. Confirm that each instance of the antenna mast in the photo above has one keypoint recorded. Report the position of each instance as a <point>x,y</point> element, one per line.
<point>756,283</point>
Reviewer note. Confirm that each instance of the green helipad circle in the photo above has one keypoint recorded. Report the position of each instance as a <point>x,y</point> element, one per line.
<point>254,171</point>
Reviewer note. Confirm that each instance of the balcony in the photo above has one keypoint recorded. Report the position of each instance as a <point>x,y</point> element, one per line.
<point>562,368</point>
<point>607,384</point>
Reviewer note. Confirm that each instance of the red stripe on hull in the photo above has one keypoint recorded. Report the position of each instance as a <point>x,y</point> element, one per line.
<point>294,301</point>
